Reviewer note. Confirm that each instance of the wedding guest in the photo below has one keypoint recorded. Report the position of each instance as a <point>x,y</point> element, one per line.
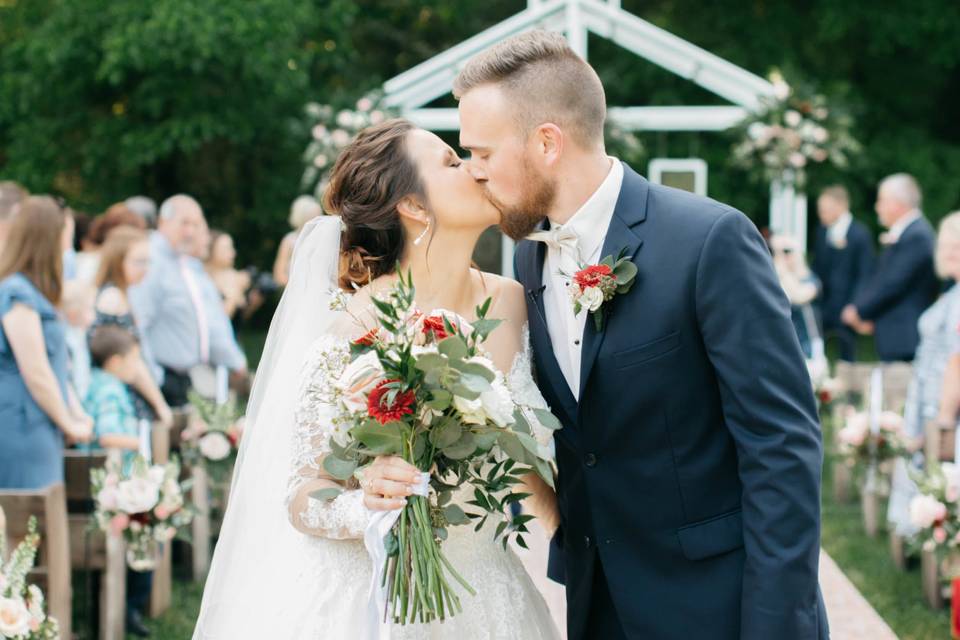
<point>125,263</point>
<point>303,210</point>
<point>118,215</point>
<point>939,339</point>
<point>69,236</point>
<point>78,312</point>
<point>144,207</point>
<point>10,194</point>
<point>179,324</point>
<point>843,260</point>
<point>38,407</point>
<point>904,283</point>
<point>234,286</point>
<point>801,286</point>
<point>118,364</point>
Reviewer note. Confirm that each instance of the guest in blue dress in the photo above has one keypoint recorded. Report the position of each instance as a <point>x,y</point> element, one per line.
<point>939,339</point>
<point>37,408</point>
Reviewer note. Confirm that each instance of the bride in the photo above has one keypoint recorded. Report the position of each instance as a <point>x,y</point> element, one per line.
<point>293,567</point>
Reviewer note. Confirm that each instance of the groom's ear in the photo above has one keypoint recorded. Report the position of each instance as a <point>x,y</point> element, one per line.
<point>412,209</point>
<point>549,142</point>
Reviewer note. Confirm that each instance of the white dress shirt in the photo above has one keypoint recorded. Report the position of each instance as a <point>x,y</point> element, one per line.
<point>893,235</point>
<point>590,223</point>
<point>837,232</point>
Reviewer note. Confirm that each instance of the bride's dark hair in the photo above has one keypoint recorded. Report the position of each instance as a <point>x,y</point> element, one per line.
<point>369,179</point>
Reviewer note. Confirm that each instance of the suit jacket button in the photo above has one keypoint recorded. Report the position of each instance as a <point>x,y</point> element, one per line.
<point>590,460</point>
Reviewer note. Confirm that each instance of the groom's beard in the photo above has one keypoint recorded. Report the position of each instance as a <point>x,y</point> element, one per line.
<point>520,220</point>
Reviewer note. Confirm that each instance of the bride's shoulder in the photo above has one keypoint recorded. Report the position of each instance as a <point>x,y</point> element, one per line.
<point>507,296</point>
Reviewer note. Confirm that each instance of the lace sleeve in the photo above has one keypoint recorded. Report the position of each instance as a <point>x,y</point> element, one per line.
<point>317,420</point>
<point>524,390</point>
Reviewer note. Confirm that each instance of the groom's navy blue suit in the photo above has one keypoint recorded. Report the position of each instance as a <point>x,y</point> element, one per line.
<point>689,472</point>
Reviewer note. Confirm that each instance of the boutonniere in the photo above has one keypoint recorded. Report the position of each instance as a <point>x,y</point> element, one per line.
<point>594,285</point>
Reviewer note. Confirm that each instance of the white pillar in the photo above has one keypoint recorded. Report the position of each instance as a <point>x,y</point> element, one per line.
<point>788,209</point>
<point>576,30</point>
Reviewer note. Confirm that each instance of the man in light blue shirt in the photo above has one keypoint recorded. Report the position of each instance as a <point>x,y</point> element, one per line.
<point>173,306</point>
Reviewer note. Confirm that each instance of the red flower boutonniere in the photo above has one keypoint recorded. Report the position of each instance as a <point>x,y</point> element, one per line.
<point>597,284</point>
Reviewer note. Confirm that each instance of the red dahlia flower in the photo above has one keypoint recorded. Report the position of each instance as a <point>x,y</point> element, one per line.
<point>592,276</point>
<point>382,412</point>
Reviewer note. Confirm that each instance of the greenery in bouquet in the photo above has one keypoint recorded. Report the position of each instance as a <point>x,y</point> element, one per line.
<point>212,437</point>
<point>22,611</point>
<point>859,444</point>
<point>145,504</point>
<point>333,129</point>
<point>935,512</point>
<point>793,129</point>
<point>420,386</point>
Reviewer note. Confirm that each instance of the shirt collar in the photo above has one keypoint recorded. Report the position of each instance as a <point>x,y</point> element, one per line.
<point>901,225</point>
<point>838,230</point>
<point>592,219</point>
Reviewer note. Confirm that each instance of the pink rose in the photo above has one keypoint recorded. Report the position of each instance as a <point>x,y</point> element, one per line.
<point>161,512</point>
<point>940,535</point>
<point>119,523</point>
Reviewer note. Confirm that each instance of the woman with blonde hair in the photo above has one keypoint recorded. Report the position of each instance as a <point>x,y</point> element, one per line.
<point>125,258</point>
<point>38,410</point>
<point>939,340</point>
<point>303,210</point>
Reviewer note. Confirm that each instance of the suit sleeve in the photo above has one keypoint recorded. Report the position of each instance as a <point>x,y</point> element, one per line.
<point>770,412</point>
<point>900,273</point>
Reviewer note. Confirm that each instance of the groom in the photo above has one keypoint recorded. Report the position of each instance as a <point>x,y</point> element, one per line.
<point>689,462</point>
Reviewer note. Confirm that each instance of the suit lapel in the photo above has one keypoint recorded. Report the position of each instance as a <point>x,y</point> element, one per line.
<point>540,334</point>
<point>622,236</point>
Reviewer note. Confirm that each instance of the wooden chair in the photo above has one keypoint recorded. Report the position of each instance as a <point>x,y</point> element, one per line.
<point>854,379</point>
<point>930,576</point>
<point>161,593</point>
<point>939,443</point>
<point>91,549</point>
<point>52,570</point>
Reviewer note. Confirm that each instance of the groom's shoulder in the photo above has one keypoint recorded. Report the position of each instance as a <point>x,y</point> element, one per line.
<point>672,206</point>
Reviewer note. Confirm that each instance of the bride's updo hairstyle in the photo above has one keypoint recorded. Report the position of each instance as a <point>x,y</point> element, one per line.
<point>369,179</point>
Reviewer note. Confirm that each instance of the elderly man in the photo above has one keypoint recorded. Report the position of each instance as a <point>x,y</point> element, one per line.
<point>172,305</point>
<point>843,261</point>
<point>904,283</point>
<point>10,194</point>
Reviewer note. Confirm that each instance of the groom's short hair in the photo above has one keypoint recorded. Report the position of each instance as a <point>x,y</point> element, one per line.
<point>545,80</point>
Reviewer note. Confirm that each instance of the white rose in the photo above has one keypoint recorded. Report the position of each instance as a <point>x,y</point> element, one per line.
<point>781,90</point>
<point>340,137</point>
<point>214,446</point>
<point>470,410</point>
<point>792,118</point>
<point>137,495</point>
<point>855,431</point>
<point>358,380</point>
<point>345,118</point>
<point>107,498</point>
<point>925,510</point>
<point>497,403</point>
<point>156,474</point>
<point>820,134</point>
<point>757,130</point>
<point>591,298</point>
<point>14,618</point>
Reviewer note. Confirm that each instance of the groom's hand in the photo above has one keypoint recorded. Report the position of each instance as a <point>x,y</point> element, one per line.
<point>387,482</point>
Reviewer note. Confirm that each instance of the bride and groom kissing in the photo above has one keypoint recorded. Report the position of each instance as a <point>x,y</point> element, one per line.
<point>687,498</point>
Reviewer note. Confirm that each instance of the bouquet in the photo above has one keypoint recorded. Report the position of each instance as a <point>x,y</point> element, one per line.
<point>792,130</point>
<point>858,443</point>
<point>22,614</point>
<point>935,511</point>
<point>213,436</point>
<point>420,387</point>
<point>145,505</point>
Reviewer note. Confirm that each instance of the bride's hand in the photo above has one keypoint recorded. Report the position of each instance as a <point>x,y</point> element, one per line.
<point>387,482</point>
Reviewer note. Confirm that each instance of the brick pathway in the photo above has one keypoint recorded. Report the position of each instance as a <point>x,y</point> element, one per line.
<point>851,616</point>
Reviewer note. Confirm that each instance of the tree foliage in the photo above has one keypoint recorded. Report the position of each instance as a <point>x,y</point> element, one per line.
<point>101,99</point>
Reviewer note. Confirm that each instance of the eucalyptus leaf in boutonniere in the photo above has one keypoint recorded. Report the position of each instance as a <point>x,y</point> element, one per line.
<point>594,285</point>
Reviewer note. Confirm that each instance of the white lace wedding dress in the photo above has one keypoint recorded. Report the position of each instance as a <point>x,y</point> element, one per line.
<point>507,605</point>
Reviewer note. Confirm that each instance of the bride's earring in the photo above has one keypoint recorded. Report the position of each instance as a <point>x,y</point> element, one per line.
<point>422,235</point>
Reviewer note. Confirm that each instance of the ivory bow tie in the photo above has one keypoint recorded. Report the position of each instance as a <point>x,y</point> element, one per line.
<point>558,238</point>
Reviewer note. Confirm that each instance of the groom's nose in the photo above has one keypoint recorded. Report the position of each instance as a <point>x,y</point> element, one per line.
<point>476,171</point>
